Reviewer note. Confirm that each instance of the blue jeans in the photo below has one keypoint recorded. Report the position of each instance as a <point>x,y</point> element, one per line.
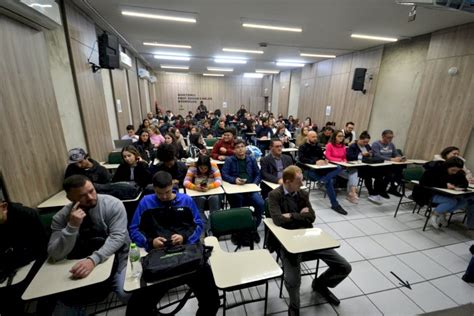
<point>328,180</point>
<point>248,199</point>
<point>448,204</point>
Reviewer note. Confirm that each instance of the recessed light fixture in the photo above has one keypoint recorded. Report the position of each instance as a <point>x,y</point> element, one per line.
<point>238,50</point>
<point>158,15</point>
<point>290,63</point>
<point>175,73</point>
<point>317,55</point>
<point>265,71</point>
<point>170,57</point>
<point>213,75</point>
<point>273,27</point>
<point>229,60</point>
<point>166,45</point>
<point>160,52</point>
<point>174,67</point>
<point>220,69</point>
<point>253,75</point>
<point>376,38</point>
<point>39,5</point>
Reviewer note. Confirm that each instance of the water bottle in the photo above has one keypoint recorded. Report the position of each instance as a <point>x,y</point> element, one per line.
<point>135,261</point>
<point>269,135</point>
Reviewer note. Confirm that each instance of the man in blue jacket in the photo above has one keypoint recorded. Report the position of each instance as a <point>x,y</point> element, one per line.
<point>241,169</point>
<point>168,218</point>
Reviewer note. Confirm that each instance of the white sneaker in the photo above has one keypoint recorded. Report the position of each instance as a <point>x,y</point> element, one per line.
<point>443,221</point>
<point>375,199</point>
<point>434,221</point>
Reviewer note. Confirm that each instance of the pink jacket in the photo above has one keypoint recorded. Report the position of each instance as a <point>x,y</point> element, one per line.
<point>336,152</point>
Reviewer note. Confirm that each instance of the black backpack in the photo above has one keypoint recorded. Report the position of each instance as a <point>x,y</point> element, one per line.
<point>121,190</point>
<point>11,259</point>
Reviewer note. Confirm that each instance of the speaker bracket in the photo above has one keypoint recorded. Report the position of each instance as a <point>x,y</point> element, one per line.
<point>94,67</point>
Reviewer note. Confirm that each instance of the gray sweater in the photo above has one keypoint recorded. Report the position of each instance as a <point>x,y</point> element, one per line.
<point>109,214</point>
<point>384,151</point>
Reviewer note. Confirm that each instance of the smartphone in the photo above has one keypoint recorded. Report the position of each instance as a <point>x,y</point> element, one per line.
<point>204,183</point>
<point>244,180</point>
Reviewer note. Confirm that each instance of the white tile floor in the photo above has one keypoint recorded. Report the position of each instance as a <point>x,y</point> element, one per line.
<point>376,243</point>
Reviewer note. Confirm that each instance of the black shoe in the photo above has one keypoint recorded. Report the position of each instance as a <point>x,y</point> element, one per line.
<point>256,237</point>
<point>467,279</point>
<point>293,311</point>
<point>339,209</point>
<point>384,195</point>
<point>324,291</point>
<point>471,249</point>
<point>394,191</point>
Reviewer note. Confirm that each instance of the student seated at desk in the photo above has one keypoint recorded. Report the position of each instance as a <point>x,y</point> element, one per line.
<point>290,208</point>
<point>349,133</point>
<point>155,136</point>
<point>92,228</point>
<point>166,154</point>
<point>311,153</point>
<point>132,168</point>
<point>241,169</point>
<point>272,165</point>
<point>453,151</point>
<point>356,152</point>
<point>197,146</point>
<point>144,146</point>
<point>206,129</point>
<point>204,175</point>
<point>325,135</point>
<point>301,138</point>
<point>447,175</point>
<point>169,217</point>
<point>336,152</point>
<point>219,130</point>
<point>22,240</point>
<point>179,151</point>
<point>386,150</point>
<point>80,163</point>
<point>130,134</point>
<point>264,131</point>
<point>224,147</point>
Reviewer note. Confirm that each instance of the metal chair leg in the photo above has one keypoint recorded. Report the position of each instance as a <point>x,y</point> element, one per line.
<point>266,298</point>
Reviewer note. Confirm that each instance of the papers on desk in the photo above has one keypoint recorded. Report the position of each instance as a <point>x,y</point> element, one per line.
<point>327,166</point>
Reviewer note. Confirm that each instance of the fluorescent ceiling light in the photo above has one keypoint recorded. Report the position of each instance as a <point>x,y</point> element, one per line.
<point>160,52</point>
<point>265,71</point>
<point>317,55</point>
<point>238,50</point>
<point>220,69</point>
<point>175,73</point>
<point>174,67</point>
<point>169,57</point>
<point>288,64</point>
<point>377,38</point>
<point>162,15</point>
<point>39,5</point>
<point>229,61</point>
<point>252,75</point>
<point>273,27</point>
<point>213,75</point>
<point>166,45</point>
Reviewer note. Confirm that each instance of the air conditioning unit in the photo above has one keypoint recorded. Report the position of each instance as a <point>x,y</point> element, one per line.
<point>125,61</point>
<point>152,79</point>
<point>457,5</point>
<point>40,15</point>
<point>143,73</point>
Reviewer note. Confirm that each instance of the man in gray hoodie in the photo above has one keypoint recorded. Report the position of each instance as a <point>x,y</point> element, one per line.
<point>92,228</point>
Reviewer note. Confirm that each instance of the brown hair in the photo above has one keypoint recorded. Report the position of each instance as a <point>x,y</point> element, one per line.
<point>289,174</point>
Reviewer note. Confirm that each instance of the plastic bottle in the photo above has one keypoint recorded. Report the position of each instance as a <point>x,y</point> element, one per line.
<point>134,255</point>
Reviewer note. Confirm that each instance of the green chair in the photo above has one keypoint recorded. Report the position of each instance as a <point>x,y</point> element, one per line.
<point>231,221</point>
<point>115,157</point>
<point>413,173</point>
<point>210,141</point>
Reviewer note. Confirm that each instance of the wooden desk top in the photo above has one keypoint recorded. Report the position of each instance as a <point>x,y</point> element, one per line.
<point>55,278</point>
<point>236,189</point>
<point>289,150</point>
<point>110,166</point>
<point>20,275</point>
<point>350,164</point>
<point>232,269</point>
<point>272,185</point>
<point>469,190</point>
<point>194,193</point>
<point>302,240</point>
<point>314,166</point>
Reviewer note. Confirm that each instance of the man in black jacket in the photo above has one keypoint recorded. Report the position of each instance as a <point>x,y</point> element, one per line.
<point>22,240</point>
<point>311,153</point>
<point>167,156</point>
<point>273,164</point>
<point>290,208</point>
<point>80,163</point>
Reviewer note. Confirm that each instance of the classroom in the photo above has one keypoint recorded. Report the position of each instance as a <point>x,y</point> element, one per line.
<point>237,157</point>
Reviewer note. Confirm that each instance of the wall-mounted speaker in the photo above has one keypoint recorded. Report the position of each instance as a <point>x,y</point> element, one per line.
<point>359,79</point>
<point>109,53</point>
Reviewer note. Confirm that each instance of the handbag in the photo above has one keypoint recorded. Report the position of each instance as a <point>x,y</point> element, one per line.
<point>372,160</point>
<point>173,261</point>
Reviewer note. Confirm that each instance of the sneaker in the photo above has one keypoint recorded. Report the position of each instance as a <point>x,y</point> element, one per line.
<point>324,291</point>
<point>375,199</point>
<point>434,221</point>
<point>443,221</point>
<point>385,195</point>
<point>339,209</point>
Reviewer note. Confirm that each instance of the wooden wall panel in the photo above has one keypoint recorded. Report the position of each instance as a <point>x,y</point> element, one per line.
<point>444,108</point>
<point>456,41</point>
<point>144,97</point>
<point>267,84</point>
<point>119,88</point>
<point>33,151</point>
<point>132,79</point>
<point>323,68</point>
<point>82,36</point>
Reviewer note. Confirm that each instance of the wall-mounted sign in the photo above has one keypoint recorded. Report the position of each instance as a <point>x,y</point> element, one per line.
<point>328,110</point>
<point>224,104</point>
<point>119,105</point>
<point>191,98</point>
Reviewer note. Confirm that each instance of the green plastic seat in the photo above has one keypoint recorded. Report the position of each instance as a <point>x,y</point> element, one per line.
<point>115,157</point>
<point>234,220</point>
<point>210,141</point>
<point>413,173</point>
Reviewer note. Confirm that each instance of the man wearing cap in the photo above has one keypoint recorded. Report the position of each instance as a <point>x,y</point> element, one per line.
<point>80,163</point>
<point>22,240</point>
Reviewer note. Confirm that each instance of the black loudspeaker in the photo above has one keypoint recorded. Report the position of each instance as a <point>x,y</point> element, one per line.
<point>109,53</point>
<point>359,79</point>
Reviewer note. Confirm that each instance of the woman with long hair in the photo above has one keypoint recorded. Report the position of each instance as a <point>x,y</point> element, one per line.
<point>144,146</point>
<point>301,138</point>
<point>171,139</point>
<point>196,146</point>
<point>132,168</point>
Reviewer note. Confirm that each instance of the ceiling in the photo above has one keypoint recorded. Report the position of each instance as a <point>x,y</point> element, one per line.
<point>326,24</point>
